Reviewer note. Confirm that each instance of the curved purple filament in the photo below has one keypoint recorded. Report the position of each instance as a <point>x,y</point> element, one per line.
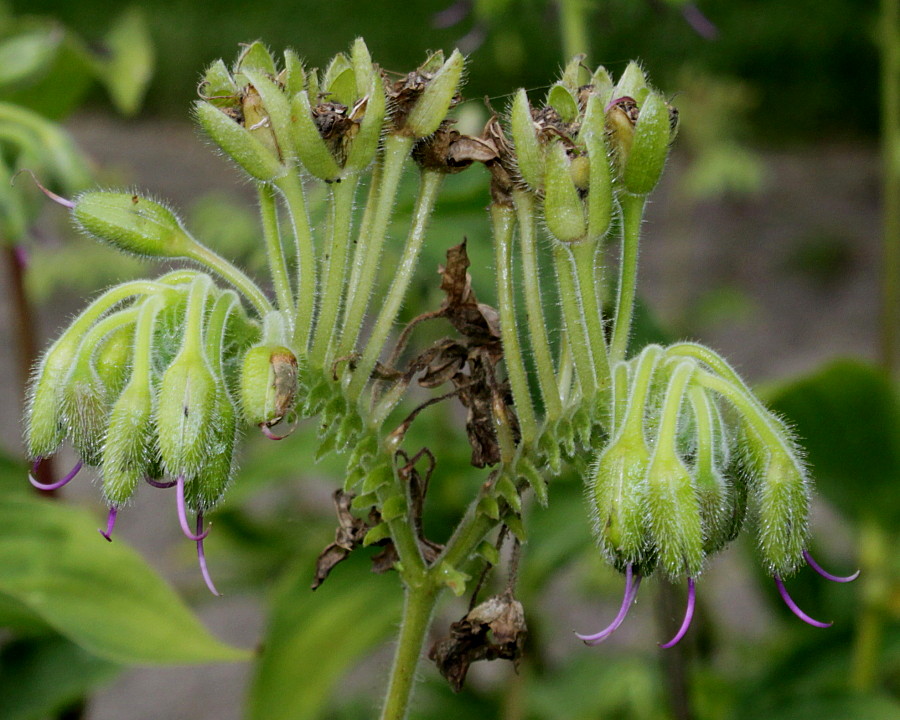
<point>59,483</point>
<point>701,24</point>
<point>182,513</point>
<point>159,484</point>
<point>788,600</point>
<point>827,575</point>
<point>59,199</point>
<point>110,523</point>
<point>201,556</point>
<point>632,583</point>
<point>688,616</point>
<point>267,431</point>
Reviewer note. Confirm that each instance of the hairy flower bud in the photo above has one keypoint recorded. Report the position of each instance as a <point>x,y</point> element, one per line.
<point>239,143</point>
<point>132,223</point>
<point>268,384</point>
<point>563,208</point>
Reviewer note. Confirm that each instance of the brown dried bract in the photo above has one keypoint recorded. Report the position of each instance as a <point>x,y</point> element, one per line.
<point>349,535</point>
<point>493,630</point>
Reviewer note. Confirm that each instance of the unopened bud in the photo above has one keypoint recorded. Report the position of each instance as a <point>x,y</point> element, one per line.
<point>782,507</point>
<point>268,384</point>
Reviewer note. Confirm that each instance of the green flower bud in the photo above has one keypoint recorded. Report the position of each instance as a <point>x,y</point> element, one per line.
<point>709,457</point>
<point>132,224</point>
<point>529,153</point>
<point>187,396</point>
<point>268,384</point>
<point>112,360</point>
<point>45,429</point>
<point>236,141</point>
<point>563,208</point>
<point>673,511</point>
<point>431,107</point>
<point>644,163</point>
<point>130,444</point>
<point>781,499</point>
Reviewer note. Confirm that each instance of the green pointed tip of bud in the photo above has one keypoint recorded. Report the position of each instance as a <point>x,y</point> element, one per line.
<point>293,76</point>
<point>332,82</point>
<point>132,223</point>
<point>308,143</point>
<point>255,56</point>
<point>268,384</point>
<point>363,69</point>
<point>218,86</point>
<point>602,83</point>
<point>431,108</point>
<point>239,143</point>
<point>529,155</point>
<point>563,208</point>
<point>646,159</point>
<point>782,500</point>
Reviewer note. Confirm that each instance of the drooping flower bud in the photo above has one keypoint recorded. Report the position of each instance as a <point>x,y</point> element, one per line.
<point>132,223</point>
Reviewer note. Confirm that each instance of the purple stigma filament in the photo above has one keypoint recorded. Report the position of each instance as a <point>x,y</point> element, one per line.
<point>201,556</point>
<point>827,575</point>
<point>182,513</point>
<point>58,199</point>
<point>110,523</point>
<point>688,616</point>
<point>160,484</point>
<point>632,583</point>
<point>267,431</point>
<point>789,601</point>
<point>48,487</point>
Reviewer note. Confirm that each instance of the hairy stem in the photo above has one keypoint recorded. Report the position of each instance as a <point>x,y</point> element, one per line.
<point>574,25</point>
<point>537,326</point>
<point>503,218</point>
<point>243,284</point>
<point>632,215</point>
<point>428,192</point>
<point>570,296</point>
<point>274,250</point>
<point>418,609</point>
<point>585,255</point>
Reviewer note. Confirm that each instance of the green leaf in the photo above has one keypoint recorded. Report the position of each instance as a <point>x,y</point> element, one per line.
<point>847,417</point>
<point>129,67</point>
<point>27,56</point>
<point>314,638</point>
<point>103,597</point>
<point>40,677</point>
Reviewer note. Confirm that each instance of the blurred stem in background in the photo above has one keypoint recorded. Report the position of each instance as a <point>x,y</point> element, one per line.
<point>574,27</point>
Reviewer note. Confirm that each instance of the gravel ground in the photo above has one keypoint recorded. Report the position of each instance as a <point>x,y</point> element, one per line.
<point>747,254</point>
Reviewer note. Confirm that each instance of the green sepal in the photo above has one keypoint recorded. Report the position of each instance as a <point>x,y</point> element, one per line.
<point>575,75</point>
<point>364,502</point>
<point>343,88</point>
<point>514,522</point>
<point>218,87</point>
<point>393,508</point>
<point>293,75</point>
<point>326,444</point>
<point>633,84</point>
<point>488,506</point>
<point>308,143</point>
<point>363,70</point>
<point>348,429</point>
<point>603,84</point>
<point>433,63</point>
<point>339,65</point>
<point>376,534</point>
<point>649,148</point>
<point>354,477</point>
<point>364,147</point>
<point>600,202</point>
<point>529,154</point>
<point>583,425</point>
<point>277,108</point>
<point>240,144</point>
<point>563,209</point>
<point>317,397</point>
<point>256,56</point>
<point>561,99</point>
<point>432,106</point>
<point>549,450</point>
<point>366,447</point>
<point>565,433</point>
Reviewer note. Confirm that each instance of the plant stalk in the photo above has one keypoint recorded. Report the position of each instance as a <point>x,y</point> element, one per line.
<point>274,251</point>
<point>632,216</point>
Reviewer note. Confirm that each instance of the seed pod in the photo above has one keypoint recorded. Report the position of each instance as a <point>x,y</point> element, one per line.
<point>563,208</point>
<point>132,224</point>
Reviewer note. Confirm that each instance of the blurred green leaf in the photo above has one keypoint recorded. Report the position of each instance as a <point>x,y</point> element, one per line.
<point>39,677</point>
<point>103,597</point>
<point>27,55</point>
<point>847,416</point>
<point>829,706</point>
<point>314,638</point>
<point>128,68</point>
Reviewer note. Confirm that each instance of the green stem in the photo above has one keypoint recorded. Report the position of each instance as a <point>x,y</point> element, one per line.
<point>467,536</point>
<point>874,593</point>
<point>337,252</point>
<point>632,215</point>
<point>746,405</point>
<point>503,218</point>
<point>291,189</point>
<point>365,226</point>
<point>368,251</point>
<point>274,251</point>
<point>573,19</point>
<point>537,326</point>
<point>573,312</point>
<point>428,192</point>
<point>418,609</point>
<point>585,255</point>
<point>243,284</point>
<point>890,150</point>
